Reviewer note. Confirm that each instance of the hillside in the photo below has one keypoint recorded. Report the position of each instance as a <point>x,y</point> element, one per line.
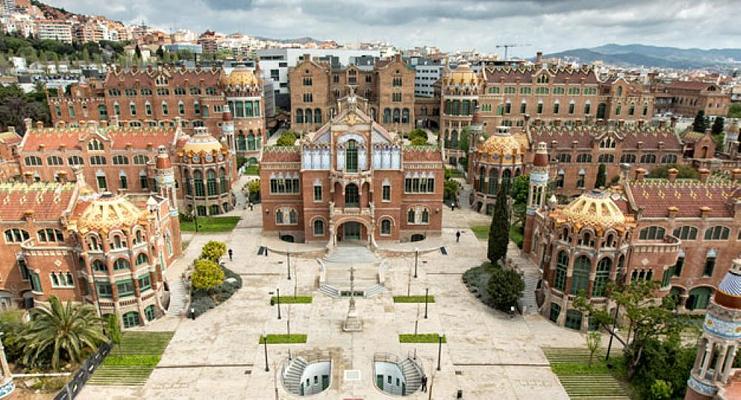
<point>654,56</point>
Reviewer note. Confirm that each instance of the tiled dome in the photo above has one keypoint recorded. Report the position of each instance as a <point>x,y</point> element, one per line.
<point>202,141</point>
<point>594,209</point>
<point>108,212</point>
<point>240,76</point>
<point>462,75</point>
<point>501,143</point>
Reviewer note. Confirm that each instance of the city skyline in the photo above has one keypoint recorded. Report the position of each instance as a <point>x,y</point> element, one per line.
<point>550,26</point>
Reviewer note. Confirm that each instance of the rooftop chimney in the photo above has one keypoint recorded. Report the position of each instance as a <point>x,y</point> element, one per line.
<point>640,174</point>
<point>673,174</point>
<point>539,57</point>
<point>704,173</point>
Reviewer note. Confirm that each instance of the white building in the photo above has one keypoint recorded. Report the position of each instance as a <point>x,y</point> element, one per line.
<point>426,75</point>
<point>49,29</point>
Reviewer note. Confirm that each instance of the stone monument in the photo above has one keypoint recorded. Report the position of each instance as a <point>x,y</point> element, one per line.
<point>352,323</point>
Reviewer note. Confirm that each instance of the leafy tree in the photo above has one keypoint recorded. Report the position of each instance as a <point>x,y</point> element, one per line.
<point>450,189</point>
<point>12,326</point>
<point>734,111</point>
<point>464,139</point>
<point>594,339</point>
<point>138,52</point>
<point>499,229</point>
<point>419,141</point>
<point>647,320</point>
<point>505,288</point>
<point>207,275</point>
<point>160,52</point>
<point>520,188</point>
<point>15,106</point>
<point>113,329</point>
<point>717,127</point>
<point>601,180</point>
<point>661,390</point>
<point>213,250</point>
<point>254,188</point>
<point>699,125</point>
<point>417,133</point>
<point>287,138</point>
<point>64,332</point>
<point>684,171</point>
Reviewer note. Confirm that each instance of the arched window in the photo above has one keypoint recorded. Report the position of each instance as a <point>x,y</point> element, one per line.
<point>279,216</point>
<point>140,159</point>
<point>181,108</point>
<point>211,182</point>
<point>50,235</point>
<point>318,227</point>
<point>121,263</point>
<point>454,139</point>
<point>601,277</point>
<point>120,160</point>
<point>75,160</point>
<point>54,160</point>
<point>351,156</point>
<point>241,142</point>
<point>648,158</point>
<point>352,199</point>
<point>628,158</point>
<point>117,242</point>
<point>224,182</point>
<point>405,116</point>
<point>686,233</point>
<point>717,233</point>
<point>33,161</point>
<point>482,178</point>
<point>165,108</point>
<point>251,141</point>
<point>292,217</point>
<point>493,180</point>
<point>198,183</point>
<point>142,259</point>
<point>425,216</point>
<point>308,116</point>
<point>386,227</point>
<point>148,108</point>
<point>652,233</point>
<point>580,278</point>
<point>397,115</point>
<point>138,237</point>
<point>669,159</point>
<point>586,239</point>
<point>562,264</point>
<point>387,115</point>
<point>699,298</point>
<point>410,215</point>
<point>93,243</point>
<point>587,108</point>
<point>99,266</point>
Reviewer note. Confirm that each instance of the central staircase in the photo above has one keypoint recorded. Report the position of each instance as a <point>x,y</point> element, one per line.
<point>368,270</point>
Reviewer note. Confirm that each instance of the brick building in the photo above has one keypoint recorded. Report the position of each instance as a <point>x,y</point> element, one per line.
<point>554,95</point>
<point>683,234</point>
<point>123,160</point>
<point>686,98</point>
<point>316,86</point>
<point>65,240</point>
<point>170,96</point>
<point>352,180</point>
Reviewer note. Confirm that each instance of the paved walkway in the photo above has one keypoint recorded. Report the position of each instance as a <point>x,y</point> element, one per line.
<point>487,355</point>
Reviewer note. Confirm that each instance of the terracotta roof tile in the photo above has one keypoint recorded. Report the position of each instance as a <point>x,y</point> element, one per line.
<point>655,195</point>
<point>47,200</point>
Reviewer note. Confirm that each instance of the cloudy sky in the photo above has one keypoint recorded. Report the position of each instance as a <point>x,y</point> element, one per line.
<point>548,25</point>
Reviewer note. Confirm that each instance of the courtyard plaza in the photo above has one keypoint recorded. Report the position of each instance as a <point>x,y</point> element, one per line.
<point>488,354</point>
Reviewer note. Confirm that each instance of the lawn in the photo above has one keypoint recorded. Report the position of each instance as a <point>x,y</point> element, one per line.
<point>414,299</point>
<point>481,231</point>
<point>253,169</point>
<point>582,381</point>
<point>291,300</point>
<point>131,362</point>
<point>210,224</point>
<point>284,339</point>
<point>420,338</point>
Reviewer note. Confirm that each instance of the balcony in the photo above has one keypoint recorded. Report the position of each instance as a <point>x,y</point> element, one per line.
<point>369,211</point>
<point>669,244</point>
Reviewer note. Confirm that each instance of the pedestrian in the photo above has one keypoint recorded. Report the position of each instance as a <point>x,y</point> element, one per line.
<point>424,383</point>
<point>457,236</point>
<point>230,254</point>
<point>452,206</point>
<point>250,206</point>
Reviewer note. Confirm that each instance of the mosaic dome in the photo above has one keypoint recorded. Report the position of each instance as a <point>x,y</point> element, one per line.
<point>501,143</point>
<point>107,212</point>
<point>594,209</point>
<point>240,76</point>
<point>202,141</point>
<point>463,75</point>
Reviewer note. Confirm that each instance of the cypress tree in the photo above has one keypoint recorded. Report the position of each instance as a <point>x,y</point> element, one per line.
<point>717,127</point>
<point>699,124</point>
<point>601,177</point>
<point>499,229</point>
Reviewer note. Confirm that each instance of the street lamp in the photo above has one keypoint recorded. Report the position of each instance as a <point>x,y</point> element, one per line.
<point>416,261</point>
<point>427,293</point>
<point>265,343</point>
<point>277,291</point>
<point>288,258</point>
<point>439,349</point>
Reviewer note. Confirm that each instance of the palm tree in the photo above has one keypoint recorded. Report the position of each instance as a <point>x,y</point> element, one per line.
<point>69,332</point>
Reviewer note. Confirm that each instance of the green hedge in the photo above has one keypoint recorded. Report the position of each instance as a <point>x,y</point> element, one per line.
<point>291,300</point>
<point>414,299</point>
<point>420,338</point>
<point>284,339</point>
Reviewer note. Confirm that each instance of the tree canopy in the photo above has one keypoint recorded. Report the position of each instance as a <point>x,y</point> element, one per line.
<point>499,229</point>
<point>700,122</point>
<point>207,275</point>
<point>505,288</point>
<point>287,138</point>
<point>684,171</point>
<point>213,250</point>
<point>718,125</point>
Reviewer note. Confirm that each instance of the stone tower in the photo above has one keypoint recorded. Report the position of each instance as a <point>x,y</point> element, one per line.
<point>721,338</point>
<point>536,192</point>
<point>165,177</point>
<point>227,130</point>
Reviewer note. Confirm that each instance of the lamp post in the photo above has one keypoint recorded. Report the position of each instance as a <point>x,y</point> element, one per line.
<point>416,261</point>
<point>427,292</point>
<point>288,329</point>
<point>277,291</point>
<point>265,345</point>
<point>439,350</point>
<point>288,259</point>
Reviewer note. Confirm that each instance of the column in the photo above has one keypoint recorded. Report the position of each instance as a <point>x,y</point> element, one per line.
<point>730,356</point>
<point>720,361</point>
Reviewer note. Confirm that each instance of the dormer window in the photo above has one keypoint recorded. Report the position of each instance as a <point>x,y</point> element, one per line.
<point>95,144</point>
<point>543,78</point>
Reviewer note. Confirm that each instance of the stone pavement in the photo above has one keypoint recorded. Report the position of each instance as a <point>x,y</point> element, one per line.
<point>487,355</point>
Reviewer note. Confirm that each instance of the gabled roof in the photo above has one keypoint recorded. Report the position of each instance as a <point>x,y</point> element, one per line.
<point>494,74</point>
<point>688,196</point>
<point>45,201</point>
<point>584,135</point>
<point>116,137</point>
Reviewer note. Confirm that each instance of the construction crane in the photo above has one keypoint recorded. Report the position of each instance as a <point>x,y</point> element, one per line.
<point>507,46</point>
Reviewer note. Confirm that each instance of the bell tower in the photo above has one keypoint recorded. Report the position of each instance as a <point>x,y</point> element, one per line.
<point>720,340</point>
<point>536,192</point>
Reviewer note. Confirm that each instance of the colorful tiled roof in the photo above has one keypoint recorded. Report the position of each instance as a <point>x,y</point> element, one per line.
<point>46,201</point>
<point>105,212</point>
<point>280,154</point>
<point>525,74</point>
<point>584,135</point>
<point>594,209</point>
<point>117,137</point>
<point>501,143</point>
<point>688,196</point>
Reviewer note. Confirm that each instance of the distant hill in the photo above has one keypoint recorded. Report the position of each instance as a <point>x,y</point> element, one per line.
<point>654,56</point>
<point>301,40</point>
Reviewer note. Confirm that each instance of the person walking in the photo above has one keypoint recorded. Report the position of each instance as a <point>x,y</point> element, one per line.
<point>424,383</point>
<point>230,254</point>
<point>457,236</point>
